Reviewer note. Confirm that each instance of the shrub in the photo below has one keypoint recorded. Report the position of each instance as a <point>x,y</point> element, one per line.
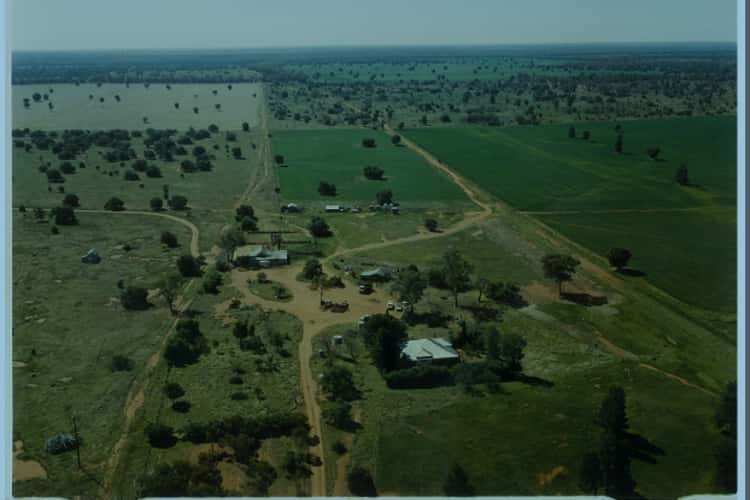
<point>140,165</point>
<point>121,363</point>
<point>178,202</point>
<point>54,175</point>
<point>360,482</point>
<point>160,435</point>
<point>236,380</point>
<point>319,227</point>
<point>339,448</point>
<point>431,225</point>
<point>134,298</point>
<point>239,396</point>
<point>71,200</point>
<point>173,390</point>
<point>130,175</point>
<point>67,168</point>
<point>168,238</point>
<point>374,173</point>
<point>211,281</point>
<point>64,216</point>
<point>54,230</point>
<point>368,143</point>
<point>156,204</point>
<point>114,204</point>
<point>181,406</point>
<point>153,171</point>
<point>188,266</point>
<point>326,189</point>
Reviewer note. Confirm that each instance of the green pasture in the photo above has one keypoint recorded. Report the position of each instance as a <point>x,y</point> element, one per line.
<point>67,326</point>
<point>540,168</point>
<point>73,109</point>
<point>338,157</point>
<point>692,255</point>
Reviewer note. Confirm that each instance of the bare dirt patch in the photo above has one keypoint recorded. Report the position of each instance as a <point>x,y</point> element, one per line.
<point>24,470</point>
<point>545,478</point>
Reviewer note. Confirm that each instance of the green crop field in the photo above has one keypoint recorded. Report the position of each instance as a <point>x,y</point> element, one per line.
<point>68,324</point>
<point>73,109</point>
<point>541,169</point>
<point>338,157</point>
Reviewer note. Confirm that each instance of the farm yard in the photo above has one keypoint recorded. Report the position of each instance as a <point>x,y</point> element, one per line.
<point>487,233</point>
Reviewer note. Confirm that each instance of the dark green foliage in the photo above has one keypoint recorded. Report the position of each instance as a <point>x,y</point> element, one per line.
<point>559,268</point>
<point>383,197</point>
<point>182,479</point>
<point>410,285</point>
<point>71,200</point>
<point>181,406</point>
<point>160,435</point>
<point>186,345</point>
<point>173,390</point>
<point>244,211</point>
<point>337,381</point>
<point>368,143</point>
<point>178,202</point>
<point>243,329</point>
<point>134,298</point>
<point>338,414</point>
<point>188,266</point>
<point>121,363</point>
<point>237,153</point>
<point>572,132</point>
<point>431,225</point>
<point>64,216</point>
<point>249,224</point>
<point>383,336</point>
<point>726,454</point>
<point>156,204</point>
<point>114,204</point>
<point>326,189</point>
<point>140,165</point>
<point>339,448</point>
<point>319,227</point>
<point>586,135</point>
<point>238,396</point>
<point>153,172</point>
<point>231,137</point>
<point>61,443</point>
<point>726,412</point>
<point>614,462</point>
<point>681,176</point>
<point>211,281</point>
<point>279,159</point>
<point>456,272</point>
<point>168,238</point>
<point>511,352</point>
<point>245,127</point>
<point>54,175</point>
<point>67,168</point>
<point>653,152</point>
<point>396,139</point>
<point>360,482</point>
<point>419,377</point>
<point>506,293</point>
<point>457,483</point>
<point>618,257</point>
<point>130,175</point>
<point>374,173</point>
<point>726,466</point>
<point>618,144</point>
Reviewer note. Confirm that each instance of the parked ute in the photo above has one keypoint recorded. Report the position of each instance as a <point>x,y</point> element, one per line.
<point>390,305</point>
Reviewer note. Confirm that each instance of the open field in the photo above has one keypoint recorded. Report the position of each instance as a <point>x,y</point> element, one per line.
<point>338,157</point>
<point>73,109</point>
<point>542,171</point>
<point>63,342</point>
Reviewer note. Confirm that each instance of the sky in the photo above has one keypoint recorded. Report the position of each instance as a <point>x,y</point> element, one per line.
<point>213,24</point>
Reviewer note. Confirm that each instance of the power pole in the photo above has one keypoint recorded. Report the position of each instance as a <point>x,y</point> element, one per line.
<point>78,442</point>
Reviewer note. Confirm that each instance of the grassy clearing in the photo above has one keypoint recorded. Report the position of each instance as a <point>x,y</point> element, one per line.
<point>69,314</point>
<point>338,157</point>
<point>72,108</point>
<point>271,290</point>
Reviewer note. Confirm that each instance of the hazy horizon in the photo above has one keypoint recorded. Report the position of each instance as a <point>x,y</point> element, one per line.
<point>46,25</point>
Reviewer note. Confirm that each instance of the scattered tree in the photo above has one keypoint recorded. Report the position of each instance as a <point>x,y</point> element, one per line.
<point>188,266</point>
<point>360,482</point>
<point>168,239</point>
<point>383,197</point>
<point>178,202</point>
<point>618,257</point>
<point>681,176</point>
<point>395,139</point>
<point>457,483</point>
<point>572,132</point>
<point>559,268</point>
<point>374,173</point>
<point>653,152</point>
<point>368,143</point>
<point>431,225</point>
<point>326,189</point>
<point>156,204</point>
<point>456,273</point>
<point>114,204</point>
<point>134,298</point>
<point>319,227</point>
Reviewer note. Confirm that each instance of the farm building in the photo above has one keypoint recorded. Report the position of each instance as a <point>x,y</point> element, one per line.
<point>251,255</point>
<point>291,208</point>
<point>437,350</point>
<point>91,257</point>
<point>377,274</point>
<point>334,208</point>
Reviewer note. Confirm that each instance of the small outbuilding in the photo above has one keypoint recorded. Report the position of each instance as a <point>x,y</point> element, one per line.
<point>377,274</point>
<point>260,256</point>
<point>334,208</point>
<point>436,351</point>
<point>91,257</point>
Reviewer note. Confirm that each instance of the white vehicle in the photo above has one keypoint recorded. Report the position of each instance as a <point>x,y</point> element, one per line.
<point>390,305</point>
<point>399,307</point>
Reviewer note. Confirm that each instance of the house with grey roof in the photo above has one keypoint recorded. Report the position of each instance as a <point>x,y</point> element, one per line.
<point>436,350</point>
<point>377,274</point>
<point>260,256</point>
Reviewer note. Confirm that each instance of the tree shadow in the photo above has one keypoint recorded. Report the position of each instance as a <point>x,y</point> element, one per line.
<point>584,299</point>
<point>641,448</point>
<point>631,272</point>
<point>483,312</point>
<point>535,381</point>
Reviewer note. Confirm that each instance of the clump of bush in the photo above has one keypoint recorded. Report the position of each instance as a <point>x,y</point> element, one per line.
<point>121,363</point>
<point>181,406</point>
<point>173,390</point>
<point>239,396</point>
